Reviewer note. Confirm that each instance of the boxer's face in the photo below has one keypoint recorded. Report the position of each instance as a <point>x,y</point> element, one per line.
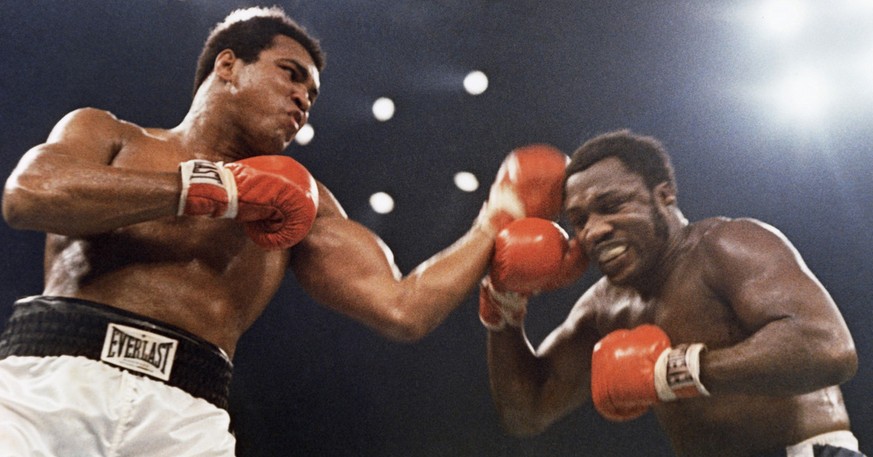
<point>275,94</point>
<point>617,219</point>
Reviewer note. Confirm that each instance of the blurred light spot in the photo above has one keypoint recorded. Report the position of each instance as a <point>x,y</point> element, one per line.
<point>783,17</point>
<point>866,73</point>
<point>466,181</point>
<point>803,94</point>
<point>858,6</point>
<point>381,203</point>
<point>304,135</point>
<point>475,82</point>
<point>383,109</point>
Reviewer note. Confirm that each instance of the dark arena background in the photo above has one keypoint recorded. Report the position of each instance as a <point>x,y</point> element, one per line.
<point>765,106</point>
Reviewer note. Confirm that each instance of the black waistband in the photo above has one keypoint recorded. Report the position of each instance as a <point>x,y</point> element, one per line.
<point>818,450</point>
<point>52,326</point>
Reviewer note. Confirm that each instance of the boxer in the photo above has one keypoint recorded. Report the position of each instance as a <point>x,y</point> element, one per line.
<point>717,326</point>
<point>163,246</point>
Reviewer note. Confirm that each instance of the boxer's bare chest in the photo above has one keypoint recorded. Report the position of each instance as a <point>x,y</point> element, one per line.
<point>198,273</point>
<point>690,311</point>
<point>685,306</point>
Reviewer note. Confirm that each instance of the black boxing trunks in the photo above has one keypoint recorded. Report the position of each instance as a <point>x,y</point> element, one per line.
<point>833,444</point>
<point>819,450</point>
<point>825,450</point>
<point>44,326</point>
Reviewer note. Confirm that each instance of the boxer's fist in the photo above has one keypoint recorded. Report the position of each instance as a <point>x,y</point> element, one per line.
<point>497,308</point>
<point>528,184</point>
<point>531,255</point>
<point>632,370</point>
<point>274,196</point>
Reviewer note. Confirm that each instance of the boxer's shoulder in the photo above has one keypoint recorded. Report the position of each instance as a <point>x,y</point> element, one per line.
<point>97,121</point>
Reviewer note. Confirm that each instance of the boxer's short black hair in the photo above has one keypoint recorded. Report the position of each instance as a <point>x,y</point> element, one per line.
<point>249,31</point>
<point>643,155</point>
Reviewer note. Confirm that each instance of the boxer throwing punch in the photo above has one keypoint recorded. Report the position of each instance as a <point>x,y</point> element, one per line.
<point>163,246</point>
<point>717,326</point>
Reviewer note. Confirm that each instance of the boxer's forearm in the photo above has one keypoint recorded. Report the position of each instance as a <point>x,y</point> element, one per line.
<point>58,193</point>
<point>346,267</point>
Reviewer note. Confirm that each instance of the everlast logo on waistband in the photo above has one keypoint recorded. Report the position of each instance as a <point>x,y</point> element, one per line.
<point>139,350</point>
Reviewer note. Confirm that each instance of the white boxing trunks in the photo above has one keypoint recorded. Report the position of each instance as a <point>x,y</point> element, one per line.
<point>79,378</point>
<point>74,406</point>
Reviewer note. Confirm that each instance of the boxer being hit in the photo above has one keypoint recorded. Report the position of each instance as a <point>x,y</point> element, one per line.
<point>163,246</point>
<point>717,326</point>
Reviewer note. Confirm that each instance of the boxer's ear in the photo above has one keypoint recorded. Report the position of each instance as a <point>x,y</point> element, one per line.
<point>665,193</point>
<point>223,65</point>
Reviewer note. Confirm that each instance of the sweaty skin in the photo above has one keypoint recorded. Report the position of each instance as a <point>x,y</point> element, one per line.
<point>777,344</point>
<point>106,191</point>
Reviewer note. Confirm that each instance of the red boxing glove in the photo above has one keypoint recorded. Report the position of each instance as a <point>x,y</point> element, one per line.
<point>497,309</point>
<point>529,183</point>
<point>531,255</point>
<point>274,196</point>
<point>631,370</point>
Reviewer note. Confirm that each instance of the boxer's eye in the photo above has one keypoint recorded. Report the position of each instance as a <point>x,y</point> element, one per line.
<point>577,220</point>
<point>611,208</point>
<point>293,74</point>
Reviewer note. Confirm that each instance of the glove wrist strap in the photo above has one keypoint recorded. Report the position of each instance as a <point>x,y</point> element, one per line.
<point>503,206</point>
<point>677,373</point>
<point>510,306</point>
<point>205,173</point>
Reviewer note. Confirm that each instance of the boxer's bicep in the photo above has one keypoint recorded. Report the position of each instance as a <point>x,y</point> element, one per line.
<point>797,340</point>
<point>344,266</point>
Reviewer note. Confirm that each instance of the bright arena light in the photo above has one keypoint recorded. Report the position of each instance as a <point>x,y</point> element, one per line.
<point>803,94</point>
<point>383,109</point>
<point>381,203</point>
<point>466,181</point>
<point>858,6</point>
<point>304,135</point>
<point>783,17</point>
<point>475,82</point>
<point>865,62</point>
<point>823,52</point>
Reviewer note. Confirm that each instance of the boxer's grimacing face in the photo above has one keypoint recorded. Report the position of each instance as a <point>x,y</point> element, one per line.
<point>276,93</point>
<point>616,219</point>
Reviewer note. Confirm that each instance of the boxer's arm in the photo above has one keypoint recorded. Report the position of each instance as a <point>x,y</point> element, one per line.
<point>346,267</point>
<point>67,186</point>
<point>534,388</point>
<point>800,341</point>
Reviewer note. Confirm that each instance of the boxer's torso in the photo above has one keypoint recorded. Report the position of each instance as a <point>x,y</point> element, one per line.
<point>200,274</point>
<point>725,424</point>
